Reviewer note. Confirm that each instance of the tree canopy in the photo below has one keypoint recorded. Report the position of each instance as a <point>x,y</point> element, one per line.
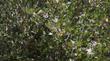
<point>54,30</point>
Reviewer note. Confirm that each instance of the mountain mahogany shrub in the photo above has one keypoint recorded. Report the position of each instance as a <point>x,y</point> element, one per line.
<point>54,30</point>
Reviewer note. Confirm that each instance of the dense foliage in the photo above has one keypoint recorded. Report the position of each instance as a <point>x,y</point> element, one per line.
<point>54,30</point>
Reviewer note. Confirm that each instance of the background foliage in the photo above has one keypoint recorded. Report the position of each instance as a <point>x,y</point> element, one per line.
<point>54,30</point>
